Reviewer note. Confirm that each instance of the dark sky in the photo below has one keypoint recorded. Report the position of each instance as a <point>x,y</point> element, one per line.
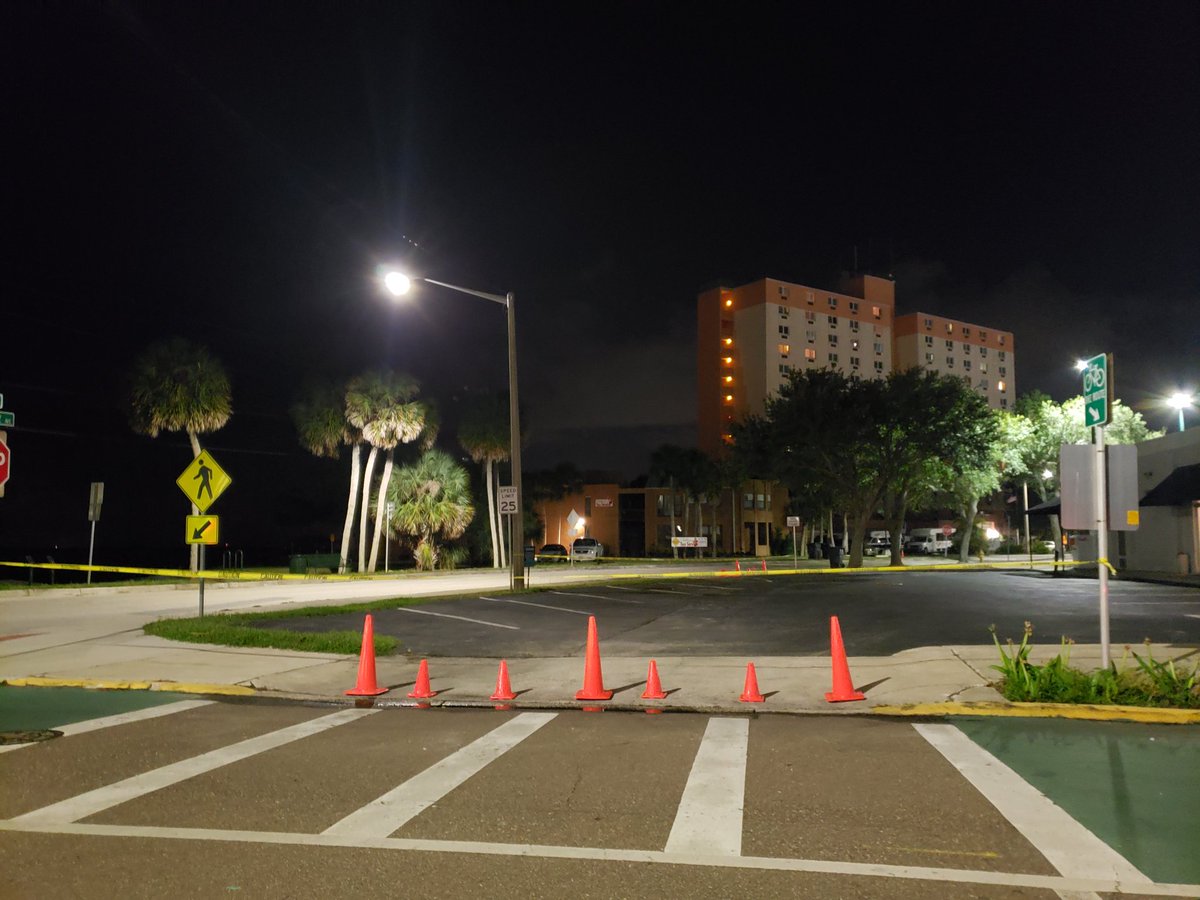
<point>234,173</point>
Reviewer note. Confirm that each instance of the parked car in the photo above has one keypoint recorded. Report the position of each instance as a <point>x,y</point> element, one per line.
<point>586,548</point>
<point>877,546</point>
<point>551,552</point>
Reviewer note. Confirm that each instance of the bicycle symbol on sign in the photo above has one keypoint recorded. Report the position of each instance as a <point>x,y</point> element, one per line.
<point>1093,379</point>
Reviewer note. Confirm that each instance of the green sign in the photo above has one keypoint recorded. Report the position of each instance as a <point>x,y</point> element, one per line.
<point>1096,391</point>
<point>8,420</point>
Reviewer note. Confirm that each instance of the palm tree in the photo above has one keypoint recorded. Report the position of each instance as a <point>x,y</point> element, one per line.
<point>381,405</point>
<point>484,435</point>
<point>666,463</point>
<point>176,385</point>
<point>433,502</point>
<point>320,420</point>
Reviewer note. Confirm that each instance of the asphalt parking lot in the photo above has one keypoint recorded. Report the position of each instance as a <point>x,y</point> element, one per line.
<point>780,615</point>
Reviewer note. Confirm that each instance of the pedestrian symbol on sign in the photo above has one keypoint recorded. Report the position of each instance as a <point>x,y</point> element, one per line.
<point>203,481</point>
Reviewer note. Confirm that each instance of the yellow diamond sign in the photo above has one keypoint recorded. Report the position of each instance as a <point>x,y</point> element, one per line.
<point>202,530</point>
<point>203,481</point>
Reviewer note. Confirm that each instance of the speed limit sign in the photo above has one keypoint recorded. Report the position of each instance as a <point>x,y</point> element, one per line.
<point>508,500</point>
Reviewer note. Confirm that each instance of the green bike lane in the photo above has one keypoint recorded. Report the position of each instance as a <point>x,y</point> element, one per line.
<point>1135,786</point>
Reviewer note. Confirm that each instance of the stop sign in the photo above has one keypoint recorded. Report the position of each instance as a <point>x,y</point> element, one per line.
<point>947,530</point>
<point>4,457</point>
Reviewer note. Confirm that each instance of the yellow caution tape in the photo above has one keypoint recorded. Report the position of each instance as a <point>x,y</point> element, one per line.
<point>210,574</point>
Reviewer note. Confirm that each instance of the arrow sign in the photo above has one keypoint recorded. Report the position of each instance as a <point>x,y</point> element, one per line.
<point>201,530</point>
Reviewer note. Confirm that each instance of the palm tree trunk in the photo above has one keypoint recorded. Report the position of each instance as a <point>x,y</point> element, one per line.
<point>491,498</point>
<point>362,513</point>
<point>351,505</point>
<point>498,521</point>
<point>674,549</point>
<point>381,507</point>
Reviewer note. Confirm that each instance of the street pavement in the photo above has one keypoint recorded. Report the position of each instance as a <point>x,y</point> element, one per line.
<point>912,638</point>
<point>264,799</point>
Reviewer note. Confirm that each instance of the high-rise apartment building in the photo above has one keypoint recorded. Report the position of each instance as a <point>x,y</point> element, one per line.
<point>983,356</point>
<point>750,337</point>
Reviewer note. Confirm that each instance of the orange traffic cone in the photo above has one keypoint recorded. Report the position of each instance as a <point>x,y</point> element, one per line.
<point>366,686</point>
<point>421,689</point>
<point>504,690</point>
<point>764,564</point>
<point>654,689</point>
<point>737,565</point>
<point>593,678</point>
<point>843,687</point>
<point>750,692</point>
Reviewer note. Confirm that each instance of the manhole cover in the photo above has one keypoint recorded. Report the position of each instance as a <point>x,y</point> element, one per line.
<point>27,737</point>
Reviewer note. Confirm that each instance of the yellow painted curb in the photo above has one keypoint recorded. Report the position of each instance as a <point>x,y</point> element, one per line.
<point>1089,712</point>
<point>99,684</point>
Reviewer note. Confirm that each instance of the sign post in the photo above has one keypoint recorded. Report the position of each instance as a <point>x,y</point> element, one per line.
<point>203,481</point>
<point>792,522</point>
<point>95,498</point>
<point>5,461</point>
<point>1097,396</point>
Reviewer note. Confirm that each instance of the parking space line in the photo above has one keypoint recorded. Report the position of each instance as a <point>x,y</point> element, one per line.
<point>709,818</point>
<point>578,612</point>
<point>425,612</point>
<point>88,804</point>
<point>137,715</point>
<point>382,816</point>
<point>595,596</point>
<point>667,591</point>
<point>1058,883</point>
<point>1072,849</point>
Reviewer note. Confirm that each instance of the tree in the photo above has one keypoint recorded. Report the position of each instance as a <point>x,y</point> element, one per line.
<point>176,385</point>
<point>666,464</point>
<point>432,501</point>
<point>380,404</point>
<point>320,419</point>
<point>484,434</point>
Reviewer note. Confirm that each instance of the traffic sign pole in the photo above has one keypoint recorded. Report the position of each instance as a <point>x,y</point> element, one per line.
<point>1102,544</point>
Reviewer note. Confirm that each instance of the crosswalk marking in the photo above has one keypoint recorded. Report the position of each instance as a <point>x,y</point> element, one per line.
<point>88,804</point>
<point>1071,849</point>
<point>709,818</point>
<point>578,612</point>
<point>384,815</point>
<point>137,715</point>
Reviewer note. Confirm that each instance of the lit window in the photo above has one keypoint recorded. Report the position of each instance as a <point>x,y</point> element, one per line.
<point>877,312</point>
<point>983,367</point>
<point>949,328</point>
<point>728,360</point>
<point>810,354</point>
<point>729,398</point>
<point>729,379</point>
<point>785,349</point>
<point>854,345</point>
<point>727,438</point>
<point>728,342</point>
<point>729,301</point>
<point>928,357</point>
<point>1001,386</point>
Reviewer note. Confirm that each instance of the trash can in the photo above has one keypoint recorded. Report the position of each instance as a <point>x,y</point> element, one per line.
<point>529,556</point>
<point>835,557</point>
<point>297,565</point>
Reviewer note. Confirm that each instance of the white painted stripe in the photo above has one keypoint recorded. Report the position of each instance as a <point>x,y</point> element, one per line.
<point>137,715</point>
<point>545,851</point>
<point>1070,848</point>
<point>617,587</point>
<point>382,816</point>
<point>720,587</point>
<point>595,596</point>
<point>578,612</point>
<point>88,804</point>
<point>425,612</point>
<point>709,818</point>
<point>665,591</point>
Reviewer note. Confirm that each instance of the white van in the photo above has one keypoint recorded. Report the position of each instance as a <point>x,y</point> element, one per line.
<point>927,541</point>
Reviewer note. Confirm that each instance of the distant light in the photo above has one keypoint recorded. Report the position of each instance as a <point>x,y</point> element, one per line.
<point>397,283</point>
<point>729,302</point>
<point>729,398</point>
<point>728,341</point>
<point>992,534</point>
<point>1046,473</point>
<point>1080,365</point>
<point>728,359</point>
<point>729,379</point>
<point>1180,400</point>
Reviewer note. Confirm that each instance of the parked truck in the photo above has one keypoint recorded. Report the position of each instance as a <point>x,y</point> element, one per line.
<point>927,541</point>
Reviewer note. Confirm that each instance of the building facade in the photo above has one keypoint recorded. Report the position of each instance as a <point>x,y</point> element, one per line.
<point>983,356</point>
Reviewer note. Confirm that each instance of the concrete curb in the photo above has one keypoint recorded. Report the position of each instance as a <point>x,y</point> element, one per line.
<point>946,709</point>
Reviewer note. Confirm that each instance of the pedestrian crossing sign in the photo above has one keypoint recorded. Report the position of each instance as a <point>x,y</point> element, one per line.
<point>203,481</point>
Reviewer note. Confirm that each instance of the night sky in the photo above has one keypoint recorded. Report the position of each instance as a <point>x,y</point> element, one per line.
<point>235,172</point>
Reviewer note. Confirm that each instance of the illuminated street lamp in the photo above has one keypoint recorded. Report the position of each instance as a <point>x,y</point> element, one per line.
<point>397,284</point>
<point>1080,365</point>
<point>1181,401</point>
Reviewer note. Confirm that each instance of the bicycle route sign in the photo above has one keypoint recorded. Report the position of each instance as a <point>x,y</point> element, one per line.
<point>1097,390</point>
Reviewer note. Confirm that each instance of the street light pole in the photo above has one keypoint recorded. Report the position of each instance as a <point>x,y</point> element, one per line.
<point>398,284</point>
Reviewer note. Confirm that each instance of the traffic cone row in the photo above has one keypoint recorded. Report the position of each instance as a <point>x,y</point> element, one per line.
<point>593,676</point>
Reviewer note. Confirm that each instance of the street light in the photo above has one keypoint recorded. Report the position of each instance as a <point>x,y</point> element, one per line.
<point>1181,401</point>
<point>1080,365</point>
<point>397,284</point>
